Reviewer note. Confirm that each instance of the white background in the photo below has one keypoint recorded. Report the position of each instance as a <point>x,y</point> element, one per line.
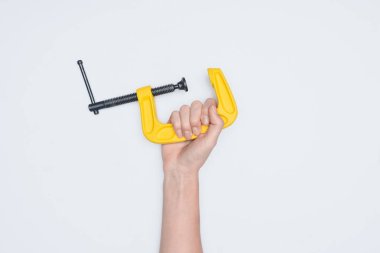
<point>297,172</point>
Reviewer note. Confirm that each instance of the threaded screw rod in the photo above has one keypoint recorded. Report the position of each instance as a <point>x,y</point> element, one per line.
<point>181,85</point>
<point>96,106</point>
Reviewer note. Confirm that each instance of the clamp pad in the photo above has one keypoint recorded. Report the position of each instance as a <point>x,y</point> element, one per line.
<point>160,133</point>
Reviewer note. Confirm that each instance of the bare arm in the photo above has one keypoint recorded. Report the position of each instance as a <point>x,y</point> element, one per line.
<point>182,161</point>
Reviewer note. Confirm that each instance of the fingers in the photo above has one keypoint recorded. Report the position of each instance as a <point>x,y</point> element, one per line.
<point>189,119</point>
<point>205,111</point>
<point>215,127</point>
<point>195,117</point>
<point>184,114</point>
<point>176,122</point>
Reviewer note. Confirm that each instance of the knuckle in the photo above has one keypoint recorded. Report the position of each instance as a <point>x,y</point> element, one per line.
<point>176,124</point>
<point>174,114</point>
<point>210,101</point>
<point>220,125</point>
<point>220,121</point>
<point>186,127</point>
<point>205,110</point>
<point>173,117</point>
<point>196,103</point>
<point>195,122</point>
<point>184,108</point>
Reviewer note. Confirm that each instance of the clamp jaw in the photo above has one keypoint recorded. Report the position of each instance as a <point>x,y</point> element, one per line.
<point>157,132</point>
<point>153,129</point>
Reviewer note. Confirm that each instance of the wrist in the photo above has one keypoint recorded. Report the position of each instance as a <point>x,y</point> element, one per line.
<point>179,175</point>
<point>175,170</point>
<point>178,180</point>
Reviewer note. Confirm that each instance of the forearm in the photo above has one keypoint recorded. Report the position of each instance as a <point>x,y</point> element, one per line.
<point>181,222</point>
<point>182,161</point>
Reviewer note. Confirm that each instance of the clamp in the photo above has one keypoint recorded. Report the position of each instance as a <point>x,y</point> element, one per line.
<point>153,129</point>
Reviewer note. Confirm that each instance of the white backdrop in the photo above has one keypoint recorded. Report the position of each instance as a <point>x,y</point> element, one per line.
<point>297,172</point>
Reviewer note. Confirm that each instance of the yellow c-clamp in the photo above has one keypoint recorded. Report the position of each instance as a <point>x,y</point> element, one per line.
<point>153,129</point>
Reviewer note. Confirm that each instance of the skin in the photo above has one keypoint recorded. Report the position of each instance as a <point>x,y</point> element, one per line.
<point>181,163</point>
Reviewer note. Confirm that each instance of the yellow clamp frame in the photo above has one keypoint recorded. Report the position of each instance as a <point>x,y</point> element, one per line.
<point>160,133</point>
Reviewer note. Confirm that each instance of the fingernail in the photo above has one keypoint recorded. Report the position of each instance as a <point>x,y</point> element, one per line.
<point>179,133</point>
<point>187,135</point>
<point>195,130</point>
<point>205,119</point>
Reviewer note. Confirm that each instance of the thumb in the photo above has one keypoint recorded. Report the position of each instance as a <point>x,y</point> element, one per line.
<point>215,126</point>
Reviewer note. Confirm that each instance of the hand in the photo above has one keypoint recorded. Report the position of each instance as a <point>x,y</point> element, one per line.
<point>188,157</point>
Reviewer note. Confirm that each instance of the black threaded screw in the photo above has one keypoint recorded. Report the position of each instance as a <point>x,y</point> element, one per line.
<point>181,85</point>
<point>96,106</point>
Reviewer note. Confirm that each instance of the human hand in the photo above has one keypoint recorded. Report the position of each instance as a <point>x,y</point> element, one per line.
<point>186,158</point>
